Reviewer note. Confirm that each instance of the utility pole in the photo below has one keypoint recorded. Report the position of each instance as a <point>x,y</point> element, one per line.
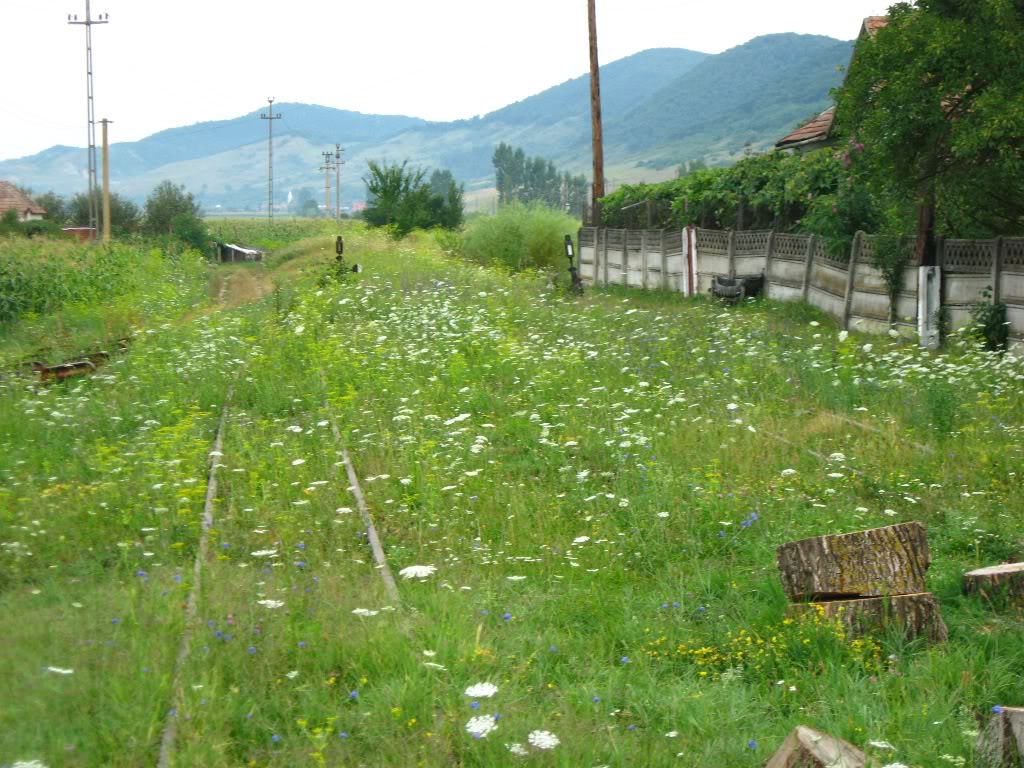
<point>91,108</point>
<point>270,117</point>
<point>327,168</point>
<point>106,182</point>
<point>595,111</point>
<point>338,162</point>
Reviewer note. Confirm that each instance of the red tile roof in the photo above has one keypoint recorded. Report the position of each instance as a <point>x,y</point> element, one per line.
<point>12,197</point>
<point>816,129</point>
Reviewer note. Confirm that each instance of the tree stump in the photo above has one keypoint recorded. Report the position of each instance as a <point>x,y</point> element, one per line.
<point>872,563</point>
<point>917,615</point>
<point>1000,585</point>
<point>808,748</point>
<point>1001,744</point>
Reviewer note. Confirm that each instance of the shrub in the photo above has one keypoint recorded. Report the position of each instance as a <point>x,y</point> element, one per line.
<point>520,237</point>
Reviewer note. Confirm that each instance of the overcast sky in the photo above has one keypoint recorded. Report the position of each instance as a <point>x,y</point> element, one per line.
<point>160,65</point>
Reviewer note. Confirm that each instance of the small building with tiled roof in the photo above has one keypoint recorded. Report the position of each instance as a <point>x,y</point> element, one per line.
<point>817,131</point>
<point>12,198</point>
<point>813,133</point>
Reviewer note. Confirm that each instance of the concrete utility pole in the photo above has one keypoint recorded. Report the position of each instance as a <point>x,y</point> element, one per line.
<point>270,117</point>
<point>91,108</point>
<point>106,182</point>
<point>595,108</point>
<point>327,168</point>
<point>338,162</point>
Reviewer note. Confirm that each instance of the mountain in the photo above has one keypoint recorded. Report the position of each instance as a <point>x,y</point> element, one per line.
<point>760,88</point>
<point>661,107</point>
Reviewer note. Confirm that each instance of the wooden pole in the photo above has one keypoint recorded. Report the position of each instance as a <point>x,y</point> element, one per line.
<point>595,105</point>
<point>106,182</point>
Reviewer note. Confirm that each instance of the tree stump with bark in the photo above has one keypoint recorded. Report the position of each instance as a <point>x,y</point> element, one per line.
<point>808,748</point>
<point>871,563</point>
<point>915,615</point>
<point>1000,585</point>
<point>1001,744</point>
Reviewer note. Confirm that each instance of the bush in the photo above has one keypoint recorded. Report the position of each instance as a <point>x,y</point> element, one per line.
<point>520,237</point>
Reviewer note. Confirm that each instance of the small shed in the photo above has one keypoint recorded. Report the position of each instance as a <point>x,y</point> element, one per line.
<point>84,234</point>
<point>231,253</point>
<point>12,198</point>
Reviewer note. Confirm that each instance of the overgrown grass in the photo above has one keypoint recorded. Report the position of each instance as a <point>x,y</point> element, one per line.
<point>60,297</point>
<point>519,237</point>
<point>584,476</point>
<point>260,233</point>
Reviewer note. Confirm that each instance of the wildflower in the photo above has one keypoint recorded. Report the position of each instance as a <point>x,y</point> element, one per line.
<point>517,749</point>
<point>482,690</point>
<point>997,709</point>
<point>731,407</point>
<point>417,571</point>
<point>292,675</point>
<point>543,739</point>
<point>60,671</point>
<point>270,603</point>
<point>353,694</point>
<point>251,649</point>
<point>480,726</point>
<point>275,738</point>
<point>868,347</point>
<point>895,765</point>
<point>843,335</point>
<point>364,612</point>
<point>624,660</point>
<point>752,744</point>
<point>881,745</point>
<point>507,616</point>
<point>788,472</point>
<point>672,734</point>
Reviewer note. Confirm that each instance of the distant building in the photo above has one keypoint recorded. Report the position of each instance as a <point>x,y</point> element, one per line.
<point>817,132</point>
<point>12,198</point>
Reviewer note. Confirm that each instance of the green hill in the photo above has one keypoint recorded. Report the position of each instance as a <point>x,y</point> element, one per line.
<point>661,107</point>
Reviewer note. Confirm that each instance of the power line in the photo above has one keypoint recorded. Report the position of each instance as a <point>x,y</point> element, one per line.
<point>270,117</point>
<point>88,23</point>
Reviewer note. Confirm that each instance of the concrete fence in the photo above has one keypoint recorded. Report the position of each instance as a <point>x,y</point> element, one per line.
<point>798,267</point>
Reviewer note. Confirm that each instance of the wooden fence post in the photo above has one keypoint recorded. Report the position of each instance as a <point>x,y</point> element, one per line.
<point>768,264</point>
<point>808,263</point>
<point>851,284</point>
<point>643,258</point>
<point>732,253</point>
<point>664,262</point>
<point>997,271</point>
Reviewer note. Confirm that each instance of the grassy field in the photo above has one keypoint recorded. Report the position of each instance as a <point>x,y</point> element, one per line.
<point>596,485</point>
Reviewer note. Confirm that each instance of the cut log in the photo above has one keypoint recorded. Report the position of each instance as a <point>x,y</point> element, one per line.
<point>876,562</point>
<point>808,748</point>
<point>1001,744</point>
<point>1000,585</point>
<point>917,615</point>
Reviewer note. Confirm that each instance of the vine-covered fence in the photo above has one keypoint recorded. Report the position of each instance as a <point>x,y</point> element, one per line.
<point>799,267</point>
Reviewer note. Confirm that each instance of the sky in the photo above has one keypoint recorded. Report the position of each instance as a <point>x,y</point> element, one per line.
<point>163,65</point>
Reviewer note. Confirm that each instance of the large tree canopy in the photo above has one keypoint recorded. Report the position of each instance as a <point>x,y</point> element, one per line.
<point>935,99</point>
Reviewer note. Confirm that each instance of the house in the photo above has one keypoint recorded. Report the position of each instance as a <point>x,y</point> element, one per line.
<point>817,132</point>
<point>12,198</point>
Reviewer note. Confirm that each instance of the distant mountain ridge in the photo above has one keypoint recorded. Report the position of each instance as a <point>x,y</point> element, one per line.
<point>661,107</point>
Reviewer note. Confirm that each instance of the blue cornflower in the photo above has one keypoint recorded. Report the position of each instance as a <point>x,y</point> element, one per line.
<point>596,699</point>
<point>664,605</point>
<point>302,644</point>
<point>252,649</point>
<point>275,738</point>
<point>218,634</point>
<point>675,603</point>
<point>624,659</point>
<point>140,573</point>
<point>631,728</point>
<point>353,694</point>
<point>115,621</point>
<point>997,709</point>
<point>752,744</point>
<point>343,735</point>
<point>300,545</point>
<point>474,705</point>
<point>507,617</point>
<point>553,649</point>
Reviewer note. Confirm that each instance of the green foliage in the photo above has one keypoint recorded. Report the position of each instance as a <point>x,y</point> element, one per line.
<point>172,211</point>
<point>527,180</point>
<point>125,216</point>
<point>519,237</point>
<point>989,322</point>
<point>55,205</point>
<point>12,227</point>
<point>399,199</point>
<point>934,98</point>
<point>41,277</point>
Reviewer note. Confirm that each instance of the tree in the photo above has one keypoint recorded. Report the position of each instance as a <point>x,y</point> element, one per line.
<point>934,100</point>
<point>399,198</point>
<point>125,216</point>
<point>165,203</point>
<point>170,210</point>
<point>55,205</point>
<point>523,179</point>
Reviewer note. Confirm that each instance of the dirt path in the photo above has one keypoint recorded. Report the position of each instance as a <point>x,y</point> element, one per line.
<point>234,286</point>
